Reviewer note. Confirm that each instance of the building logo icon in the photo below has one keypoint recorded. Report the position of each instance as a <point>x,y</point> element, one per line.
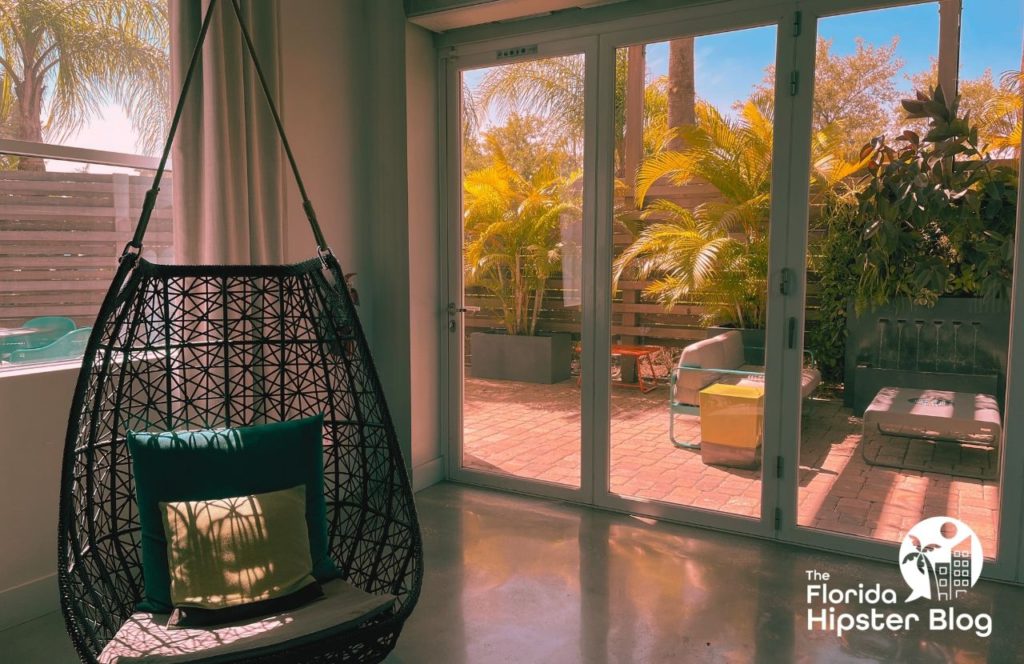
<point>940,559</point>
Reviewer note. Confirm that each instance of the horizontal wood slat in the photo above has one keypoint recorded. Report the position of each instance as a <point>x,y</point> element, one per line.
<point>61,234</point>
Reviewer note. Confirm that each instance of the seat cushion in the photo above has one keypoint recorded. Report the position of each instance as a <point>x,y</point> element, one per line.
<point>145,637</point>
<point>732,349</point>
<point>935,414</point>
<point>809,379</point>
<point>222,463</point>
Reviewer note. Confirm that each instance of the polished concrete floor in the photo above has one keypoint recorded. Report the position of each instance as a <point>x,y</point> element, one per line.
<point>518,579</point>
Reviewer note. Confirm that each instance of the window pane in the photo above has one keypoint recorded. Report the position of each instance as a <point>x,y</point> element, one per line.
<point>690,270</point>
<point>60,236</point>
<point>908,316</point>
<point>522,176</point>
<point>68,96</point>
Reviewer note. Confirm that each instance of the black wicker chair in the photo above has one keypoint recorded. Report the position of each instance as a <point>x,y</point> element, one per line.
<point>186,347</point>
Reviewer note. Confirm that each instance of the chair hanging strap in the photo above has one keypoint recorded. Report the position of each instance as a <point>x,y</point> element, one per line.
<point>134,248</point>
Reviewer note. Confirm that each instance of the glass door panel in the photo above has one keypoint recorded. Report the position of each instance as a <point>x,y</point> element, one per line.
<point>693,168</point>
<point>909,271</point>
<point>522,136</point>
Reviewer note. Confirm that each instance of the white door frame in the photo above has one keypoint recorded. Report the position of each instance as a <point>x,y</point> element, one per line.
<point>686,24</point>
<point>1009,560</point>
<point>454,62</point>
<point>647,21</point>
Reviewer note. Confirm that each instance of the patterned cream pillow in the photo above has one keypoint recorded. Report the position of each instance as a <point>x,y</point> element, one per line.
<point>234,551</point>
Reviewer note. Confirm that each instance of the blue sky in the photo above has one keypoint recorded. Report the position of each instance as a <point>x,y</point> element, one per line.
<point>729,65</point>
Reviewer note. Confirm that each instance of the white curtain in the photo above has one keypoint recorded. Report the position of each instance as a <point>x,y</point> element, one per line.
<point>228,166</point>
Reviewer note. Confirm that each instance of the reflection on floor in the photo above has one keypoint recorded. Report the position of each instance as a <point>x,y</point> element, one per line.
<point>532,431</point>
<point>517,579</point>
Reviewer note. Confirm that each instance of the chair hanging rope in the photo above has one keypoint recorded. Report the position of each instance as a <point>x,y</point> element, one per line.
<point>179,347</point>
<point>154,191</point>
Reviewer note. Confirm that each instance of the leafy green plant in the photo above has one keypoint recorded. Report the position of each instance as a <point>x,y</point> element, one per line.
<point>833,259</point>
<point>716,254</point>
<point>936,214</point>
<point>691,254</point>
<point>513,239</point>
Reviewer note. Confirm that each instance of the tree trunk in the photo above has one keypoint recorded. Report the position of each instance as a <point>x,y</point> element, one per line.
<point>634,139</point>
<point>682,94</point>
<point>538,302</point>
<point>27,117</point>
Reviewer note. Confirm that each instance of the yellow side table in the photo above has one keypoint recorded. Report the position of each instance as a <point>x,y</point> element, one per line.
<point>731,425</point>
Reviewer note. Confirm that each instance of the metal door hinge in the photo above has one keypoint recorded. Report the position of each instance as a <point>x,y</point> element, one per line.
<point>778,518</point>
<point>798,24</point>
<point>794,83</point>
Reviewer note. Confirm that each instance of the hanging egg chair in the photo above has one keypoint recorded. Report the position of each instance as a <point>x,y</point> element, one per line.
<point>186,347</point>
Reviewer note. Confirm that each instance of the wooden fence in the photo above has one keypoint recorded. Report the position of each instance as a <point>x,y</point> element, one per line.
<point>633,319</point>
<point>61,234</point>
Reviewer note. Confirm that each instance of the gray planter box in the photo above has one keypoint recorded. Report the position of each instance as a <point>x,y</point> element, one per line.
<point>538,359</point>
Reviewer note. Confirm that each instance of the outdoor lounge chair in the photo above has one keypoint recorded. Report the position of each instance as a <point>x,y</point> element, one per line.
<point>68,347</point>
<point>717,360</point>
<point>48,329</point>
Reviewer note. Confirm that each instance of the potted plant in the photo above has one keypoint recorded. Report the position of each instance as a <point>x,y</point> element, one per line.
<point>936,213</point>
<point>513,244</point>
<point>934,227</point>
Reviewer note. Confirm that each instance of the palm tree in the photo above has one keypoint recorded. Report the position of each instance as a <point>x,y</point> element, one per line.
<point>7,130</point>
<point>924,561</point>
<point>716,254</point>
<point>513,235</point>
<point>553,88</point>
<point>65,58</point>
<point>682,93</point>
<point>1005,111</point>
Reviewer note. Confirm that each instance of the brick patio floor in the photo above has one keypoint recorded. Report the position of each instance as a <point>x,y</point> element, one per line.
<point>532,431</point>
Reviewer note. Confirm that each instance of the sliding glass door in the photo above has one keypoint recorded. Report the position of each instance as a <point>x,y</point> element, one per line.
<point>689,271</point>
<point>706,266</point>
<point>519,201</point>
<point>909,263</point>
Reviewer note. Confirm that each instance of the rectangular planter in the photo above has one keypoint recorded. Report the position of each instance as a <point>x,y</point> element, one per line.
<point>531,359</point>
<point>960,345</point>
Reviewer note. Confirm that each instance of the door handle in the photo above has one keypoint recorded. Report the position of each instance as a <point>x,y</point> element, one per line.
<point>452,309</point>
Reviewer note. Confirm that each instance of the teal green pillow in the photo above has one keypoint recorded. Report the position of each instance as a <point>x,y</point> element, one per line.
<point>221,463</point>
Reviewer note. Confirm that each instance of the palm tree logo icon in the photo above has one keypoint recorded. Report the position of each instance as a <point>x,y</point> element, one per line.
<point>922,555</point>
<point>940,559</point>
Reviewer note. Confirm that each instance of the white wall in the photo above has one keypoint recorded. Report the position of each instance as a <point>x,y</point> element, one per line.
<point>351,70</point>
<point>344,111</point>
<point>34,407</point>
<point>427,315</point>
